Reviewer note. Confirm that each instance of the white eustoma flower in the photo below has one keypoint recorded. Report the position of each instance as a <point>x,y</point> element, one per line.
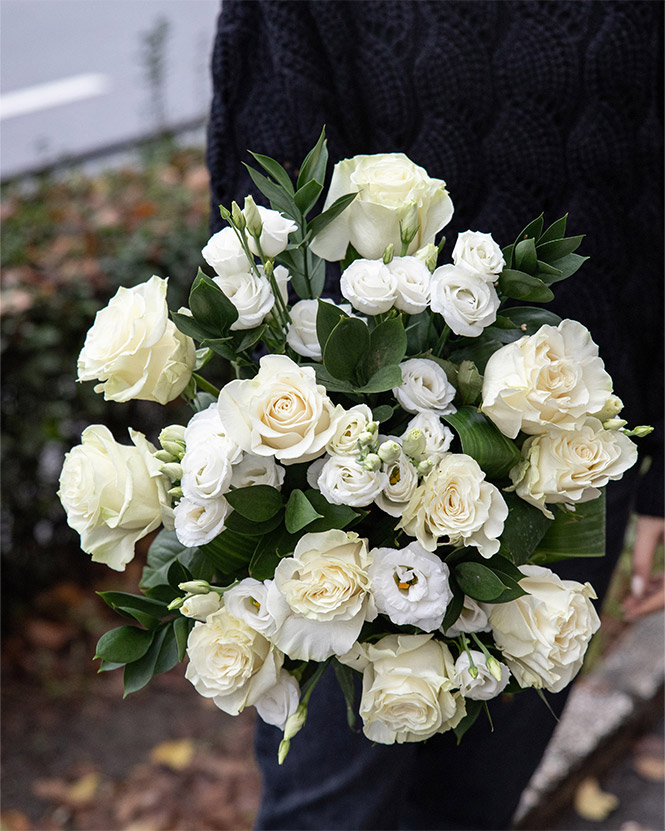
<point>320,596</point>
<point>247,600</point>
<point>224,253</point>
<point>198,524</point>
<point>231,662</point>
<point>484,686</point>
<point>281,412</point>
<point>199,606</point>
<point>348,429</point>
<point>408,689</point>
<point>413,284</point>
<point>425,388</point>
<point>479,252</point>
<point>302,337</point>
<point>279,702</point>
<point>410,585</point>
<point>206,471</point>
<point>274,234</point>
<point>257,470</point>
<point>465,300</point>
<point>456,506</point>
<point>553,378</point>
<point>134,348</point>
<point>438,436</point>
<point>544,634</point>
<point>474,617</point>
<point>387,184</point>
<point>571,466</point>
<point>205,427</point>
<point>402,482</point>
<point>114,495</point>
<point>343,481</point>
<point>369,286</point>
<point>251,295</point>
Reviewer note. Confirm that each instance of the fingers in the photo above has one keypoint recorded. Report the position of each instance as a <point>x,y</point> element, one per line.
<point>649,534</point>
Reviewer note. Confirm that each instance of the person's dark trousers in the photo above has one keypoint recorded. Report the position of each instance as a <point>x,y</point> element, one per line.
<point>336,779</point>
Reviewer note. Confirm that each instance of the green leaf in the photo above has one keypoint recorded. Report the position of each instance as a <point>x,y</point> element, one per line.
<point>316,269</point>
<point>387,346</point>
<point>332,516</point>
<point>165,549</point>
<point>478,581</point>
<point>266,558</point>
<point>230,551</point>
<point>345,348</point>
<point>314,164</point>
<point>579,533</point>
<point>249,527</point>
<point>521,286</point>
<point>167,657</point>
<point>473,710</point>
<point>327,317</point>
<point>279,199</point>
<point>124,644</point>
<point>385,379</point>
<point>382,413</point>
<point>210,306</point>
<point>249,338</point>
<point>523,529</point>
<point>481,440</point>
<point>324,219</point>
<point>138,673</point>
<point>469,382</point>
<point>299,512</point>
<point>533,229</point>
<point>454,608</point>
<point>177,574</point>
<point>556,249</point>
<point>533,318</point>
<point>182,626</point>
<point>345,680</point>
<point>566,266</point>
<point>188,326</point>
<point>545,271</point>
<point>276,170</point>
<point>508,255</point>
<point>417,333</point>
<point>557,230</point>
<point>257,502</point>
<point>307,195</point>
<point>146,611</point>
<point>108,666</point>
<point>525,256</point>
<point>331,383</point>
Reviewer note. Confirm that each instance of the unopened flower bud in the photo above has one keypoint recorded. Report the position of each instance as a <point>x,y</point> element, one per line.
<point>373,427</point>
<point>173,433</point>
<point>388,254</point>
<point>252,217</point>
<point>408,226</point>
<point>473,671</point>
<point>494,667</point>
<point>195,586</point>
<point>176,603</point>
<point>389,451</point>
<point>611,408</point>
<point>365,438</point>
<point>428,254</point>
<point>640,431</point>
<point>268,268</point>
<point>371,462</point>
<point>165,456</point>
<point>176,449</point>
<point>173,470</point>
<point>238,217</point>
<point>225,213</point>
<point>614,423</point>
<point>176,493</point>
<point>414,443</point>
<point>293,726</point>
<point>424,467</point>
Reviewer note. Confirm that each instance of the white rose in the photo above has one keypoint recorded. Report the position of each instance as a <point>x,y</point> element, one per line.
<point>199,606</point>
<point>344,482</point>
<point>247,600</point>
<point>543,635</point>
<point>466,301</point>
<point>474,617</point>
<point>413,284</point>
<point>455,505</point>
<point>320,597</point>
<point>112,494</point>
<point>281,412</point>
<point>135,350</point>
<point>386,184</point>
<point>369,286</point>
<point>281,276</point>
<point>571,465</point>
<point>553,378</point>
<point>349,426</point>
<point>251,295</point>
<point>279,702</point>
<point>206,471</point>
<point>425,388</point>
<point>479,252</point>
<point>224,253</point>
<point>484,686</point>
<point>274,234</point>
<point>410,585</point>
<point>257,470</point>
<point>205,427</point>
<point>438,436</point>
<point>407,689</point>
<point>230,662</point>
<point>402,481</point>
<point>302,337</point>
<point>198,524</point>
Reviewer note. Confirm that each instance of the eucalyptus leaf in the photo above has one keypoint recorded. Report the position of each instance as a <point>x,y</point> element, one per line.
<point>524,528</point>
<point>345,679</point>
<point>417,333</point>
<point>473,710</point>
<point>332,516</point>
<point>256,502</point>
<point>250,527</point>
<point>230,551</point>
<point>385,379</point>
<point>387,345</point>
<point>533,229</point>
<point>165,549</point>
<point>567,266</point>
<point>469,382</point>
<point>345,348</point>
<point>280,200</point>
<point>324,219</point>
<point>331,383</point>
<point>525,256</point>
<point>181,629</point>
<point>478,581</point>
<point>299,512</point>
<point>382,413</point>
<point>167,657</point>
<point>210,307</point>
<point>327,317</point>
<point>532,318</point>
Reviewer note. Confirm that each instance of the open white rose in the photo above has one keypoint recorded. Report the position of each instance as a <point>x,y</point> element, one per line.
<point>135,350</point>
<point>413,284</point>
<point>425,388</point>
<point>320,596</point>
<point>544,634</point>
<point>369,286</point>
<point>206,471</point>
<point>386,184</point>
<point>279,702</point>
<point>349,426</point>
<point>302,337</point>
<point>199,606</point>
<point>257,470</point>
<point>247,600</point>
<point>402,481</point>
<point>571,465</point>
<point>198,523</point>
<point>230,662</point>
<point>438,436</point>
<point>479,252</point>
<point>205,427</point>
<point>484,686</point>
<point>465,300</point>
<point>251,295</point>
<point>225,254</point>
<point>274,234</point>
<point>552,378</point>
<point>455,505</point>
<point>344,482</point>
<point>112,495</point>
<point>408,693</point>
<point>281,412</point>
<point>410,585</point>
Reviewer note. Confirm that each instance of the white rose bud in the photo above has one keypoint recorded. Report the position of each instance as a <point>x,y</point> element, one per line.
<point>614,423</point>
<point>369,286</point>
<point>252,217</point>
<point>199,606</point>
<point>251,295</point>
<point>225,254</point>
<point>425,388</point>
<point>274,234</point>
<point>389,451</point>
<point>483,683</point>
<point>466,301</point>
<point>371,462</point>
<point>195,586</point>
<point>480,253</point>
<point>413,284</point>
<point>409,224</point>
<point>414,443</point>
<point>429,254</point>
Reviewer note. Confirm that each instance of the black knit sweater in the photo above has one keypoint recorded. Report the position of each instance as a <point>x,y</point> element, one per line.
<point>521,107</point>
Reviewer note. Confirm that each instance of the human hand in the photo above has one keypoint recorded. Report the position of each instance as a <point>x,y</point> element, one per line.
<point>647,591</point>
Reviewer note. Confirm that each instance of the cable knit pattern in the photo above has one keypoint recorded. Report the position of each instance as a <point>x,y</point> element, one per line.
<point>519,106</point>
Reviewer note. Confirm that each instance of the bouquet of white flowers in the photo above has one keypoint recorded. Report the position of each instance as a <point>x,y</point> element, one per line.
<point>382,488</point>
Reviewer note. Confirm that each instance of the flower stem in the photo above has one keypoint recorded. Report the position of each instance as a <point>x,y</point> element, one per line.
<point>205,385</point>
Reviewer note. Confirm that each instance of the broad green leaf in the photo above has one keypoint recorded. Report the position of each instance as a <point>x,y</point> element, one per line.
<point>508,254</point>
<point>385,379</point>
<point>525,256</point>
<point>108,666</point>
<point>327,317</point>
<point>523,529</point>
<point>382,413</point>
<point>257,502</point>
<point>469,382</point>
<point>314,164</point>
<point>165,549</point>
<point>454,608</point>
<point>221,346</point>
<point>249,527</point>
<point>168,652</point>
<point>566,266</point>
<point>188,326</point>
<point>417,333</point>
<point>478,581</point>
<point>345,679</point>
<point>279,199</point>
<point>532,318</point>
<point>557,230</point>
<point>332,516</point>
<point>345,348</point>
<point>146,611</point>
<point>265,559</point>
<point>533,229</point>
<point>275,169</point>
<point>307,195</point>
<point>230,552</point>
<point>177,574</point>
<point>138,673</point>
<point>579,533</point>
<point>316,270</point>
<point>124,644</point>
<point>299,512</point>
<point>545,271</point>
<point>556,249</point>
<point>249,338</point>
<point>481,440</point>
<point>331,383</point>
<point>210,306</point>
<point>473,710</point>
<point>182,626</point>
<point>522,286</point>
<point>387,346</point>
<point>324,219</point>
